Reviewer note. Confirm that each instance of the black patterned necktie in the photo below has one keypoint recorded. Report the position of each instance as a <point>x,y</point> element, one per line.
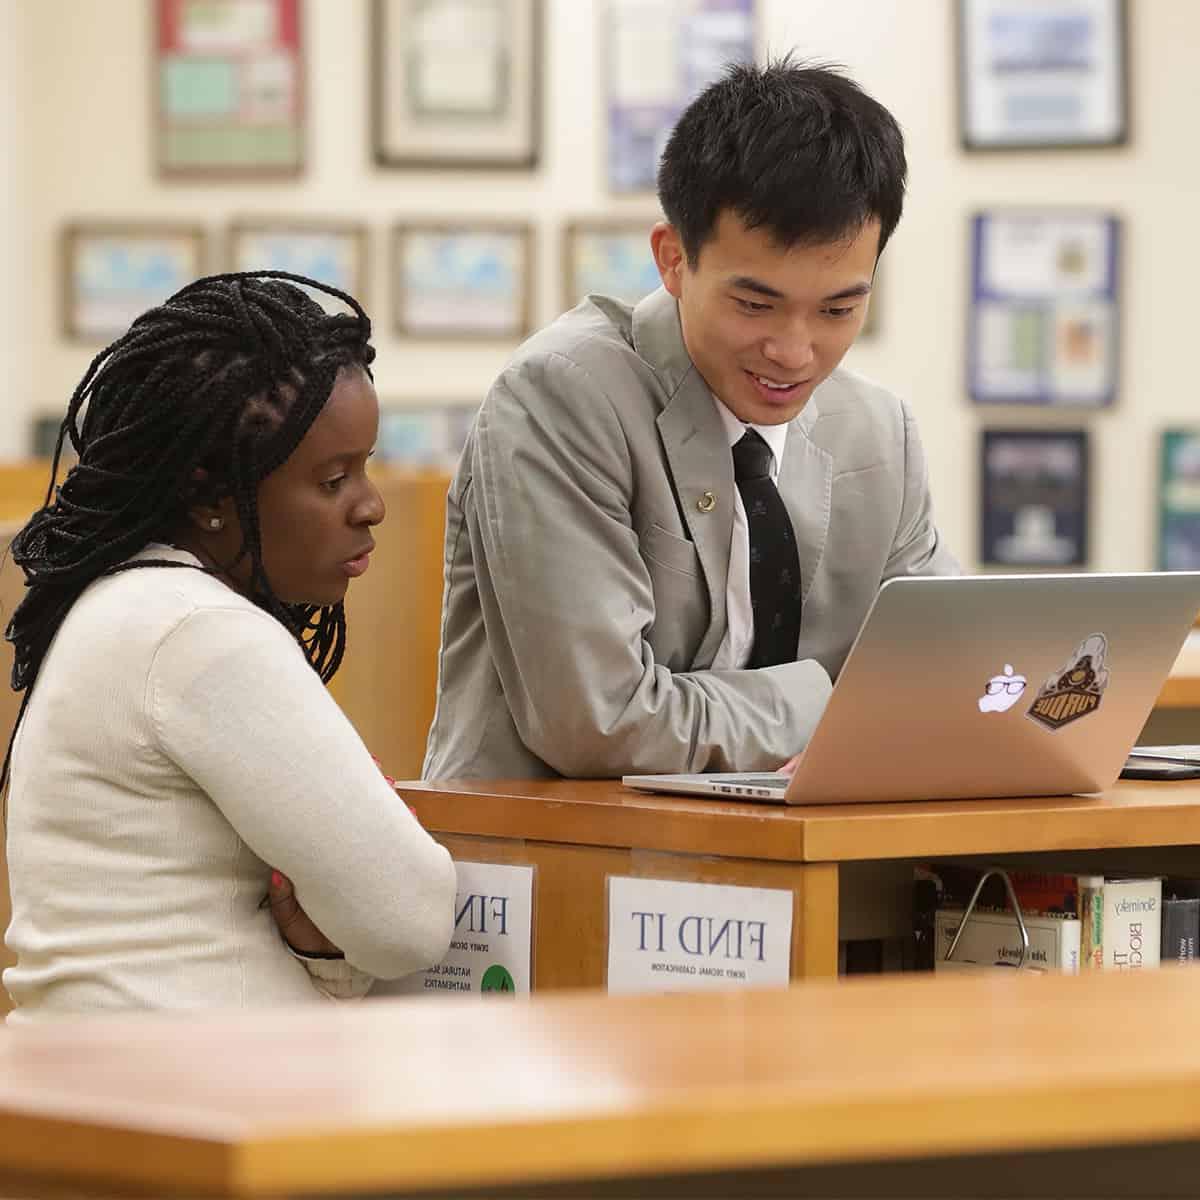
<point>775,590</point>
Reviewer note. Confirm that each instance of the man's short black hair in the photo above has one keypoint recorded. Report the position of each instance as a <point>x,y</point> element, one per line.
<point>801,151</point>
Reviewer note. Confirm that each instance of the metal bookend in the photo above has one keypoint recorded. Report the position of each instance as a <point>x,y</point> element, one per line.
<point>1012,900</point>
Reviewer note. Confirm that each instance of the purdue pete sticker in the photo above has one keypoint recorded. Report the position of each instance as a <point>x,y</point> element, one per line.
<point>1076,690</point>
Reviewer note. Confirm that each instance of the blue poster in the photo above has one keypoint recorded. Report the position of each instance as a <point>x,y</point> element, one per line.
<point>661,53</point>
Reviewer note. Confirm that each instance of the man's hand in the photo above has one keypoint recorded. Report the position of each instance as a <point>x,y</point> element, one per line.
<point>789,767</point>
<point>298,930</point>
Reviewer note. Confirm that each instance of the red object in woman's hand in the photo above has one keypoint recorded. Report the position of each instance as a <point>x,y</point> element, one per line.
<point>390,781</point>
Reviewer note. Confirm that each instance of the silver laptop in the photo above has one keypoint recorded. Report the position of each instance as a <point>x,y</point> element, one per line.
<point>984,685</point>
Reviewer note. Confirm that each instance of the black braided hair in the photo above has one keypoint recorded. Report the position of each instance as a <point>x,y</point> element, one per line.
<point>218,384</point>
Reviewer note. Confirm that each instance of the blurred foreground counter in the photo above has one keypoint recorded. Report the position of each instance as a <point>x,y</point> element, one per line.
<point>997,1084</point>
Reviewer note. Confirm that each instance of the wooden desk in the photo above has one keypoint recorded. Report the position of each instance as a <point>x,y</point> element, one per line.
<point>868,1087</point>
<point>577,833</point>
<point>1182,689</point>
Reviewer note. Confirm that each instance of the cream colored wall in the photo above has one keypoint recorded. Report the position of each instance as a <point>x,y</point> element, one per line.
<point>15,200</point>
<point>88,154</point>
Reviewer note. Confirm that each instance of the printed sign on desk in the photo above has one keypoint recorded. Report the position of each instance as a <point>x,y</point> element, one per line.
<point>490,949</point>
<point>667,937</point>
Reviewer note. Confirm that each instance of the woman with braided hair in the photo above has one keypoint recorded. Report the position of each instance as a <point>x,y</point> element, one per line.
<point>178,761</point>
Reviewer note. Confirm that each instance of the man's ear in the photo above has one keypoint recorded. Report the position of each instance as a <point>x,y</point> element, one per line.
<point>669,256</point>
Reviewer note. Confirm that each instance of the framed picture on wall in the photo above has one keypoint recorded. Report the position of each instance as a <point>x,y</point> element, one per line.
<point>658,56</point>
<point>1044,319</point>
<point>114,272</point>
<point>1179,501</point>
<point>1034,498</point>
<point>609,258</point>
<point>462,280</point>
<point>331,252</point>
<point>456,83</point>
<point>1042,74</point>
<point>229,86</point>
<point>429,435</point>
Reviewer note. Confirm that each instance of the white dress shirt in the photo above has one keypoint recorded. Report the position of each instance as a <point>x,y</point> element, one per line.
<point>738,642</point>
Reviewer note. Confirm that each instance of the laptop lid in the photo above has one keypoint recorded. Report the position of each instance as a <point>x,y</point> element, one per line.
<point>996,685</point>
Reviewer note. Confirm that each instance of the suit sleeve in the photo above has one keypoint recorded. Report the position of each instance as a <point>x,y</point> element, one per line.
<point>918,548</point>
<point>567,600</point>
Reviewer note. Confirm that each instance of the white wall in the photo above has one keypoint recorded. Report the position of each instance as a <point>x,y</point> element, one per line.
<point>88,153</point>
<point>16,402</point>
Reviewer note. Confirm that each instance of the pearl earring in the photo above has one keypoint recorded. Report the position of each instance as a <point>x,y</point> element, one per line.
<point>216,523</point>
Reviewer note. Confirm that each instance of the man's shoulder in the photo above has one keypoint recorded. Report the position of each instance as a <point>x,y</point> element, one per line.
<point>849,392</point>
<point>859,422</point>
<point>583,363</point>
<point>596,334</point>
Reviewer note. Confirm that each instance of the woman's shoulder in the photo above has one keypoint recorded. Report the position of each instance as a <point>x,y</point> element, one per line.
<point>157,590</point>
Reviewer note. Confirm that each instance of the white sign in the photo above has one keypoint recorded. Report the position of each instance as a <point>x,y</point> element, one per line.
<point>493,926</point>
<point>668,937</point>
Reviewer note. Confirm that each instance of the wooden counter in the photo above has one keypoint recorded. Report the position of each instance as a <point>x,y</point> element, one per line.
<point>579,832</point>
<point>896,1080</point>
<point>1182,689</point>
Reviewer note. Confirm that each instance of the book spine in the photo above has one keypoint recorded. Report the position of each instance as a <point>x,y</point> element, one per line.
<point>993,940</point>
<point>1038,892</point>
<point>1180,928</point>
<point>1091,915</point>
<point>1132,923</point>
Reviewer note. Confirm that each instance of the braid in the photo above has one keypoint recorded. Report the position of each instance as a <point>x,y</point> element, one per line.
<point>226,376</point>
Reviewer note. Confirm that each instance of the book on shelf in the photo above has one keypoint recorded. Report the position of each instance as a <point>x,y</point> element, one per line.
<point>1180,920</point>
<point>1117,921</point>
<point>992,939</point>
<point>1121,922</point>
<point>1036,891</point>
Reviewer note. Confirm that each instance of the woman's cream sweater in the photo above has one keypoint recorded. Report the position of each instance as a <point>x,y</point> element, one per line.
<point>177,747</point>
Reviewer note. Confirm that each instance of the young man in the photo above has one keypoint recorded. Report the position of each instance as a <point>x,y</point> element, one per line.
<point>669,523</point>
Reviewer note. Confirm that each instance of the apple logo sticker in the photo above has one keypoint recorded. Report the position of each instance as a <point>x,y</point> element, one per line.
<point>1002,691</point>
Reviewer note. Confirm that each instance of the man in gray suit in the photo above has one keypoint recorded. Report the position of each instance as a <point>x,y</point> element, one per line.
<point>669,522</point>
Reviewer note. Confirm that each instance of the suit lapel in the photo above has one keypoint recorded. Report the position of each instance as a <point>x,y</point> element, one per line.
<point>698,458</point>
<point>806,485</point>
<point>696,451</point>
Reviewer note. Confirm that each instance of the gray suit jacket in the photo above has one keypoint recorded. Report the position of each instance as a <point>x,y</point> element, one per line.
<point>585,580</point>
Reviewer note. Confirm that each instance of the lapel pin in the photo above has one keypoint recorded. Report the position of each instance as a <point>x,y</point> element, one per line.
<point>707,502</point>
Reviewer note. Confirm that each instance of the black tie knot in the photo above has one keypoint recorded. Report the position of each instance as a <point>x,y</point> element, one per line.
<point>752,457</point>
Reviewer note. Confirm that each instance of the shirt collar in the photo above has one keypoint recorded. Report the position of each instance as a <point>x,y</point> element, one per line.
<point>774,435</point>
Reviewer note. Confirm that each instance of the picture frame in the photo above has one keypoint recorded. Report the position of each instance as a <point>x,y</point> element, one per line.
<point>229,89</point>
<point>657,58</point>
<point>456,83</point>
<point>428,435</point>
<point>1044,320</point>
<point>1179,500</point>
<point>1034,498</point>
<point>331,252</point>
<point>462,280</point>
<point>611,257</point>
<point>112,272</point>
<point>1043,74</point>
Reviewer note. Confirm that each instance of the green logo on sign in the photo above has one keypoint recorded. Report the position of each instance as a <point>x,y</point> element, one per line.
<point>497,979</point>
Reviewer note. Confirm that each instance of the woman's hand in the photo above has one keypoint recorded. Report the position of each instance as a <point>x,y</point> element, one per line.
<point>298,930</point>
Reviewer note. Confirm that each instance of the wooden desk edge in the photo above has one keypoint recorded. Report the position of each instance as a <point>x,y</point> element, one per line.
<point>716,1133</point>
<point>1138,815</point>
<point>181,1123</point>
<point>532,810</point>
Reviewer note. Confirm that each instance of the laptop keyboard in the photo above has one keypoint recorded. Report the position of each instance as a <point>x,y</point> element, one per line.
<point>1189,754</point>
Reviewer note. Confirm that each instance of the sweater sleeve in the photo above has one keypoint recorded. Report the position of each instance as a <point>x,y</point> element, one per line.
<point>233,703</point>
